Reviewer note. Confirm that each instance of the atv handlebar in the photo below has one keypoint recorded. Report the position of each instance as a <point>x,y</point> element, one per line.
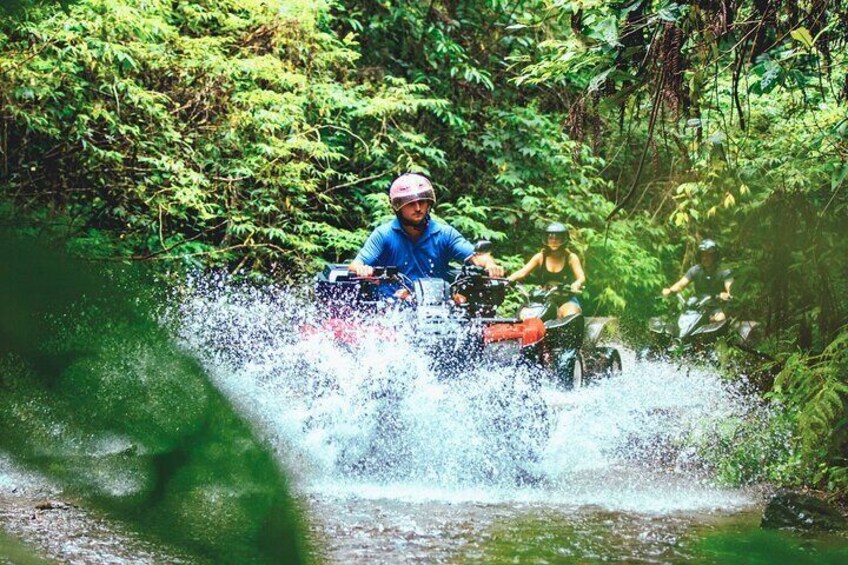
<point>695,301</point>
<point>378,273</point>
<point>556,289</point>
<point>475,273</point>
<point>679,296</point>
<point>385,273</point>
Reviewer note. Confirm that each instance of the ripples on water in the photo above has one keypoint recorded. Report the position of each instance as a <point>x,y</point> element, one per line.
<point>371,431</point>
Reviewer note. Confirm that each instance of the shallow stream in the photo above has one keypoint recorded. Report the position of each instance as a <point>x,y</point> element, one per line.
<point>399,463</point>
<point>395,461</point>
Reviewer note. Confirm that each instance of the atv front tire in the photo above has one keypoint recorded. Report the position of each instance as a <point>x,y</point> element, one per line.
<point>608,361</point>
<point>569,369</point>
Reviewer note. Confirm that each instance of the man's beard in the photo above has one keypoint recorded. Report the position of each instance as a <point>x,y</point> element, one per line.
<point>419,225</point>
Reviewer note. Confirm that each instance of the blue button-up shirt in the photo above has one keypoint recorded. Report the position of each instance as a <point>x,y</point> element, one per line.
<point>390,246</point>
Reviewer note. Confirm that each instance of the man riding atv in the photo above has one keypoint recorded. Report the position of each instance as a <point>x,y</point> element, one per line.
<point>415,243</point>
<point>708,279</point>
<point>453,311</point>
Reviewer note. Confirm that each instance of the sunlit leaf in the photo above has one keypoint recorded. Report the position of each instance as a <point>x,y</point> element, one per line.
<point>803,36</point>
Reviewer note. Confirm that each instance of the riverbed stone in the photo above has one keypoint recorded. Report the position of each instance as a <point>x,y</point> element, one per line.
<point>794,509</point>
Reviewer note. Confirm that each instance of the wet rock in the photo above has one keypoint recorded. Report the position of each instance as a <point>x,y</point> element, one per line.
<point>54,505</point>
<point>797,510</point>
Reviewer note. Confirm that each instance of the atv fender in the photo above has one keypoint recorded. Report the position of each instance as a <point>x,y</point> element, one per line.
<point>744,329</point>
<point>658,325</point>
<point>565,333</point>
<point>710,330</point>
<point>530,331</point>
<point>595,327</point>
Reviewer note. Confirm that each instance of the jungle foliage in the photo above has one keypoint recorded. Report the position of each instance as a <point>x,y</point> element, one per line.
<point>261,135</point>
<point>98,397</point>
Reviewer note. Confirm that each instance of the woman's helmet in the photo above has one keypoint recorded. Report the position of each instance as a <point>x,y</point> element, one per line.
<point>708,247</point>
<point>558,231</point>
<point>411,187</point>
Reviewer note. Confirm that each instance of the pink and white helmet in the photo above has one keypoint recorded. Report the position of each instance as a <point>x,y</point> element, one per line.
<point>411,187</point>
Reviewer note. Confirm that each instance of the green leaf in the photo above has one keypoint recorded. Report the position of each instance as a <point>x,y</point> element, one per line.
<point>838,176</point>
<point>771,75</point>
<point>803,36</point>
<point>671,12</point>
<point>599,79</point>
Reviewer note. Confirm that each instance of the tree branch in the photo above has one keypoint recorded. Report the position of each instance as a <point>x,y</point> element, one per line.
<point>651,123</point>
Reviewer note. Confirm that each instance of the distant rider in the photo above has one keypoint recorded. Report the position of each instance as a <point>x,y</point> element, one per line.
<point>708,279</point>
<point>416,244</point>
<point>557,265</point>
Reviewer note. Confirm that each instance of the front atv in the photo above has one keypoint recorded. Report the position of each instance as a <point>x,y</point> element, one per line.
<point>454,322</point>
<point>454,326</point>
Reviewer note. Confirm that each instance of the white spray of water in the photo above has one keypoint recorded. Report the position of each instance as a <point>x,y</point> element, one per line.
<point>375,419</point>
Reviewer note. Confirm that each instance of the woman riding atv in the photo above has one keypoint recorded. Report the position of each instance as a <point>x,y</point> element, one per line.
<point>708,279</point>
<point>551,263</point>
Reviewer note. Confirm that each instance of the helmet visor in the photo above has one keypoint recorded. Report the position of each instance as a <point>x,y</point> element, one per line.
<point>556,238</point>
<point>399,201</point>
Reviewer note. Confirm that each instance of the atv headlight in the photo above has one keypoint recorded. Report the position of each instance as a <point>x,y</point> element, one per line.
<point>503,351</point>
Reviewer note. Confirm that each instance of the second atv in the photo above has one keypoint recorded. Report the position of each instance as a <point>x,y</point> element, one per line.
<point>571,350</point>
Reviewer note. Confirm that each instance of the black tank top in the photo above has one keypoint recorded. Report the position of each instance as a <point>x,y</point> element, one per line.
<point>549,278</point>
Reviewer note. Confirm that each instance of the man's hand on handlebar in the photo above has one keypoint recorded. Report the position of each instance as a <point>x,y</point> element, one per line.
<point>495,270</point>
<point>666,292</point>
<point>725,296</point>
<point>486,261</point>
<point>361,270</point>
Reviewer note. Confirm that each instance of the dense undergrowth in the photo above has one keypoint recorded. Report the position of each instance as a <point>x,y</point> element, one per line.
<point>260,136</point>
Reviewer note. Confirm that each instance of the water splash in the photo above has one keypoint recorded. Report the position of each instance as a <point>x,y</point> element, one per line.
<point>374,419</point>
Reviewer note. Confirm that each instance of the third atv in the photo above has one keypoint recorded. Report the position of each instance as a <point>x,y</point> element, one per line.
<point>695,331</point>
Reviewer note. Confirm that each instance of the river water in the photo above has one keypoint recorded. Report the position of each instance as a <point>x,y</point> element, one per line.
<point>397,462</point>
